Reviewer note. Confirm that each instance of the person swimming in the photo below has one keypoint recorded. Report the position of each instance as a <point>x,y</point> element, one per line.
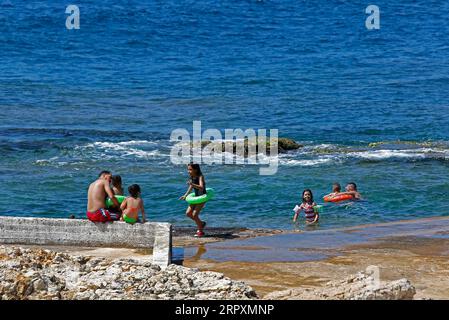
<point>132,205</point>
<point>351,189</point>
<point>336,190</point>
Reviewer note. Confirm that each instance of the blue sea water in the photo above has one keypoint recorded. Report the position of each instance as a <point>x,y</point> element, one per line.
<point>370,106</point>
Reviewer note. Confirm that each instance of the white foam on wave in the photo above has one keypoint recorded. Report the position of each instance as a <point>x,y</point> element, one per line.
<point>324,146</point>
<point>137,142</point>
<point>121,149</point>
<point>310,158</point>
<point>388,154</point>
<point>44,162</point>
<point>54,161</point>
<point>306,157</point>
<point>231,158</point>
<point>307,162</point>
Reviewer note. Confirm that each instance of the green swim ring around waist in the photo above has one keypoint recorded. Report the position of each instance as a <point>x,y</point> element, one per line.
<point>109,202</point>
<point>191,199</point>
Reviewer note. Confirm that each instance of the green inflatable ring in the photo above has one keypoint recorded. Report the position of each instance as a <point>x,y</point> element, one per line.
<point>191,199</point>
<point>109,202</point>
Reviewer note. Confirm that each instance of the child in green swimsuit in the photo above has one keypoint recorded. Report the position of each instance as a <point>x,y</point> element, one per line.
<point>132,205</point>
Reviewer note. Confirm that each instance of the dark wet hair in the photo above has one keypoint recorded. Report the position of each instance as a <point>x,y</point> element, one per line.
<point>196,168</point>
<point>134,190</point>
<point>353,184</point>
<point>311,195</point>
<point>104,172</point>
<point>116,181</point>
<point>337,186</point>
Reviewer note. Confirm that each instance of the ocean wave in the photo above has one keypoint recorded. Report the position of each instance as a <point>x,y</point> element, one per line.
<point>136,143</point>
<point>387,154</point>
<point>309,162</point>
<point>417,154</point>
<point>325,154</point>
<point>103,151</point>
<point>309,155</point>
<point>121,149</point>
<point>54,161</point>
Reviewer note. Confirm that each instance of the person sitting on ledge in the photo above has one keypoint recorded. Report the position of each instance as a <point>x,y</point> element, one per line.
<point>96,196</point>
<point>132,205</point>
<point>117,185</point>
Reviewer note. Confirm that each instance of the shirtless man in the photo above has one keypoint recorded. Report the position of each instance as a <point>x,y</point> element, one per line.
<point>96,196</point>
<point>351,189</point>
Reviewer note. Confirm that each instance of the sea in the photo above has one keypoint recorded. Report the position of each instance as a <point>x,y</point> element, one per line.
<point>369,105</point>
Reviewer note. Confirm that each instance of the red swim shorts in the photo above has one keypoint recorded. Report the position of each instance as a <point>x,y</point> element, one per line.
<point>102,215</point>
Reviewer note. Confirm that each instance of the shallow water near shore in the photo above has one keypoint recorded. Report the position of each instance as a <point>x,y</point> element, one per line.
<point>320,245</point>
<point>369,107</point>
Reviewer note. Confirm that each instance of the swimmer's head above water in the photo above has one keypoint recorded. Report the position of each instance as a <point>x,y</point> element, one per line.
<point>307,196</point>
<point>351,186</point>
<point>336,187</point>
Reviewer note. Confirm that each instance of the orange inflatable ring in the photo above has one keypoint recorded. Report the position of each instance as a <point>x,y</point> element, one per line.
<point>338,198</point>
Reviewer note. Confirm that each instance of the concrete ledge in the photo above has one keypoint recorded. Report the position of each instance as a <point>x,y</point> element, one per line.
<point>76,232</point>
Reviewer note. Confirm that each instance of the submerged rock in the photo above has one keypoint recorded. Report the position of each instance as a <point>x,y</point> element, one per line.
<point>45,274</point>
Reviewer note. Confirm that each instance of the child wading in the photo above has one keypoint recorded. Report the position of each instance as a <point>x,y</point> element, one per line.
<point>198,184</point>
<point>132,205</point>
<point>307,205</point>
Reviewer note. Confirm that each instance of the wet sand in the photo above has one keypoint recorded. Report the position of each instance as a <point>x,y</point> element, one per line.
<point>416,249</point>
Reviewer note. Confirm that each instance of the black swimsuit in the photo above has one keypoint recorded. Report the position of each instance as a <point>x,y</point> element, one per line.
<point>198,192</point>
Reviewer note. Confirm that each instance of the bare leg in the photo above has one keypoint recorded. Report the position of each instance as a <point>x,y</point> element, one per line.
<point>189,212</point>
<point>196,216</point>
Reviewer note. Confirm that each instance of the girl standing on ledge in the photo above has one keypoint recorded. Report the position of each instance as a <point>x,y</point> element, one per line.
<point>198,184</point>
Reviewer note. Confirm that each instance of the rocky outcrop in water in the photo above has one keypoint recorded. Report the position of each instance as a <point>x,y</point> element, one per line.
<point>44,274</point>
<point>361,286</point>
<point>284,145</point>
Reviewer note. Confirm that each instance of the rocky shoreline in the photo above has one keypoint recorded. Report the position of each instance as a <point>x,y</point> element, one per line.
<point>361,286</point>
<point>36,274</point>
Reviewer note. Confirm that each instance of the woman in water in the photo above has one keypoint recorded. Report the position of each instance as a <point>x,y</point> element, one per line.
<point>307,205</point>
<point>198,184</point>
